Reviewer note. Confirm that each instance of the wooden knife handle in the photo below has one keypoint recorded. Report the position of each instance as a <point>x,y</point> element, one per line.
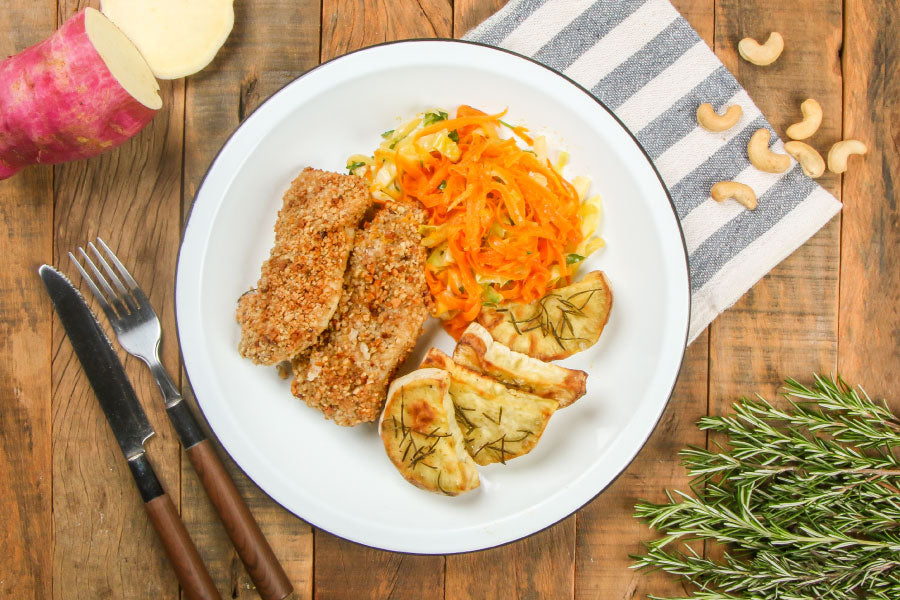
<point>271,581</point>
<point>183,555</point>
<point>191,572</point>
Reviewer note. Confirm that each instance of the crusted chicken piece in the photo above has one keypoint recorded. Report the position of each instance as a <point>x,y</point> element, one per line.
<point>379,317</point>
<point>300,283</point>
<point>421,435</point>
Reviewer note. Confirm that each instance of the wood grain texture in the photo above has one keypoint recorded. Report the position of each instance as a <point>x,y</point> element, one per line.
<point>348,25</point>
<point>26,212</point>
<point>787,324</point>
<point>869,328</point>
<point>540,566</point>
<point>131,197</point>
<point>468,14</point>
<point>273,42</point>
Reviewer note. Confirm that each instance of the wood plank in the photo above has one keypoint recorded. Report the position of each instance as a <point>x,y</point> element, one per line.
<point>273,42</point>
<point>344,569</point>
<point>468,14</point>
<point>130,197</point>
<point>348,25</point>
<point>869,327</point>
<point>540,566</point>
<point>607,532</point>
<point>26,210</point>
<point>786,325</point>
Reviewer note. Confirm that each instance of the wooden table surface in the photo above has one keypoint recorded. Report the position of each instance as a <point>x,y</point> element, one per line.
<point>72,522</point>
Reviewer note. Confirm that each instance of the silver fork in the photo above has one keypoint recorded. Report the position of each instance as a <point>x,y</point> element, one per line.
<point>130,314</point>
<point>138,330</point>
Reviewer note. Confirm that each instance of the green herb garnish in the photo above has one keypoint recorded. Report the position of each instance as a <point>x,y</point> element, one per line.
<point>553,316</point>
<point>805,500</point>
<point>354,165</point>
<point>571,259</point>
<point>433,117</point>
<point>453,135</point>
<point>442,185</point>
<point>387,133</point>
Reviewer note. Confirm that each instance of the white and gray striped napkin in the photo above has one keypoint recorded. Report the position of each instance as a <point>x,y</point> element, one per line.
<point>648,65</point>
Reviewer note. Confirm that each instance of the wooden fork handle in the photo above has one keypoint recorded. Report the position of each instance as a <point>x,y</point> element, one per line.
<point>271,581</point>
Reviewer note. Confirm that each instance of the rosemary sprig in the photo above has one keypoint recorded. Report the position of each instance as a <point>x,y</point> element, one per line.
<point>805,500</point>
<point>553,315</point>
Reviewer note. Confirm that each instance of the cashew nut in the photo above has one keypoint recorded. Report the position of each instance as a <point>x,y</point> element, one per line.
<point>841,151</point>
<point>732,189</point>
<point>712,121</point>
<point>812,118</point>
<point>762,55</point>
<point>810,161</point>
<point>764,159</point>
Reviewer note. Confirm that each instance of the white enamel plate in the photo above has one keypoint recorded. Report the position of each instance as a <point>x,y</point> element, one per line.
<point>340,479</point>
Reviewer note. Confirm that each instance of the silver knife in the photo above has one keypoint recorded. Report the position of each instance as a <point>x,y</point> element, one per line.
<point>131,428</point>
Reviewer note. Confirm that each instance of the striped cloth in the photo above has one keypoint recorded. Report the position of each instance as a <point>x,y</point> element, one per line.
<point>646,63</point>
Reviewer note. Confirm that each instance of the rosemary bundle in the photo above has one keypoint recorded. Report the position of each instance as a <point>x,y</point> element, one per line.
<point>804,501</point>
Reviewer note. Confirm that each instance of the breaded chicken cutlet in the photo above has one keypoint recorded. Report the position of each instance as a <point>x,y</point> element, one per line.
<point>301,281</point>
<point>380,315</point>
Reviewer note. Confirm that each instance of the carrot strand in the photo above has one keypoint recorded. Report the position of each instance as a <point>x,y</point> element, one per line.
<point>511,221</point>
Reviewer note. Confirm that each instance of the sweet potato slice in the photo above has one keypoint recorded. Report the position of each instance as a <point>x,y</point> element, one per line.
<point>565,321</point>
<point>478,351</point>
<point>177,37</point>
<point>497,422</point>
<point>421,436</point>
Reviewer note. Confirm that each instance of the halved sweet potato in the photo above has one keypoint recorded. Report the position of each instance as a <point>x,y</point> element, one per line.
<point>498,423</point>
<point>477,350</point>
<point>565,321</point>
<point>421,436</point>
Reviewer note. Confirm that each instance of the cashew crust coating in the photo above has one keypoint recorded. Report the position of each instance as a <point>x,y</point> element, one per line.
<point>732,189</point>
<point>761,54</point>
<point>810,161</point>
<point>841,151</point>
<point>712,121</point>
<point>812,118</point>
<point>764,159</point>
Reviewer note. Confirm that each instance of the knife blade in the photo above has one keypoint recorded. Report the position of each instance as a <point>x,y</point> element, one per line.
<point>130,426</point>
<point>100,363</point>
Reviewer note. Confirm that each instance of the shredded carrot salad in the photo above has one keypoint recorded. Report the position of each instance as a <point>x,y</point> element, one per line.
<point>503,224</point>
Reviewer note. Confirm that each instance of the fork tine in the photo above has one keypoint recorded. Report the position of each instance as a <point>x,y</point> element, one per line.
<point>135,288</point>
<point>124,294</point>
<point>122,309</point>
<point>101,298</point>
<point>115,260</point>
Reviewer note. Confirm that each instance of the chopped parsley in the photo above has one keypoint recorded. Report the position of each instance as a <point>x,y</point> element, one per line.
<point>453,135</point>
<point>433,117</point>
